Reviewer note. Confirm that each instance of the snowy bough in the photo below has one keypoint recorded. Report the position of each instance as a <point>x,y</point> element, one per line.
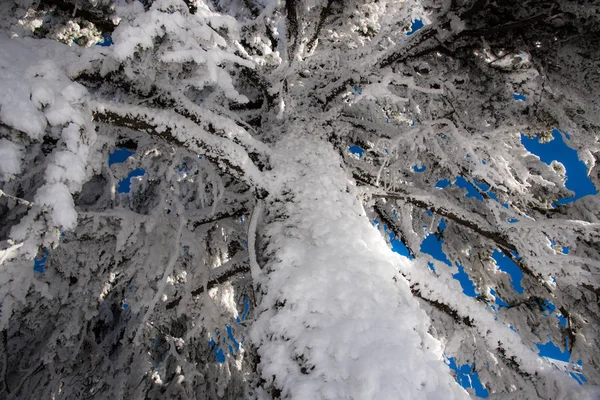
<point>299,199</point>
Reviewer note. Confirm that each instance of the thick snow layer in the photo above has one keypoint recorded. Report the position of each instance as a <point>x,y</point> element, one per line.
<point>58,198</point>
<point>334,322</point>
<point>10,159</point>
<point>38,94</point>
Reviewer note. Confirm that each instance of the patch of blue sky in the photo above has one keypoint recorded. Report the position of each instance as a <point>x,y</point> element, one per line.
<point>40,262</point>
<point>232,338</point>
<point>578,377</point>
<point>221,342</point>
<point>356,150</point>
<point>562,321</point>
<point>551,350</point>
<point>245,312</point>
<point>548,308</point>
<point>106,40</point>
<point>505,264</point>
<point>472,191</point>
<point>442,225</point>
<point>578,180</point>
<point>422,168</point>
<point>399,247</point>
<point>468,378</point>
<point>519,97</point>
<point>431,267</point>
<point>442,184</point>
<point>217,351</point>
<point>229,341</point>
<point>432,245</point>
<point>501,303</point>
<point>562,250</point>
<point>462,183</point>
<point>486,188</point>
<point>465,282</point>
<point>124,185</point>
<point>119,155</point>
<point>415,26</point>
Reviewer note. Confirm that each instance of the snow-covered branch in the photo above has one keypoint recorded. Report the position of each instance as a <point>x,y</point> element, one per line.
<point>179,131</point>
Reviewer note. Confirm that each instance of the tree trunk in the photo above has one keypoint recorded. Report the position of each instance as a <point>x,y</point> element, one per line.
<point>336,320</point>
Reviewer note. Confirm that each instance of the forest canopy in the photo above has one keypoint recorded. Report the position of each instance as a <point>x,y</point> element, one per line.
<point>301,199</point>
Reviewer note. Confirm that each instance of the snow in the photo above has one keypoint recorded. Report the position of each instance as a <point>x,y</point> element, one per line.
<point>193,38</point>
<point>67,167</point>
<point>58,198</point>
<point>40,99</point>
<point>333,322</point>
<point>10,159</point>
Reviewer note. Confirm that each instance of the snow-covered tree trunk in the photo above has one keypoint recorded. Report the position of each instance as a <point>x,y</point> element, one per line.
<point>335,319</point>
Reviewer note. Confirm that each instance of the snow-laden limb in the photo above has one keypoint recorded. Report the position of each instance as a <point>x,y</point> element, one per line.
<point>548,381</point>
<point>10,251</point>
<point>333,324</point>
<point>205,38</point>
<point>16,199</point>
<point>450,211</point>
<point>175,129</point>
<point>380,90</point>
<point>218,123</point>
<point>41,102</point>
<point>254,266</point>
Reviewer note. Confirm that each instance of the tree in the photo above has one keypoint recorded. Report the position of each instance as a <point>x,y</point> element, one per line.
<point>243,261</point>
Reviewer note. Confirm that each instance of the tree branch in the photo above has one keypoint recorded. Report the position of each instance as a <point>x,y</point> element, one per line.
<point>178,131</point>
<point>325,12</point>
<point>230,212</point>
<point>445,308</point>
<point>455,215</point>
<point>292,26</point>
<point>218,276</point>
